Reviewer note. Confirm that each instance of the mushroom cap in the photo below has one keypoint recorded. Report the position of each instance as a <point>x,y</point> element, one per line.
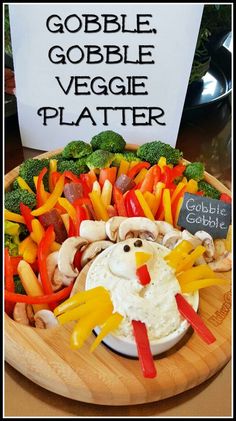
<point>112,227</point>
<point>93,230</point>
<point>45,319</point>
<point>194,240</point>
<point>67,253</point>
<point>207,242</point>
<point>171,238</point>
<point>93,249</point>
<point>138,227</point>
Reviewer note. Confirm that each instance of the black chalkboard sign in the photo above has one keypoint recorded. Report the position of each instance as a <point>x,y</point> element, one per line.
<point>202,213</point>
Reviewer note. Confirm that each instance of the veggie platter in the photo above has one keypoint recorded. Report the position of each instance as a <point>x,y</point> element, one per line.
<point>93,251</point>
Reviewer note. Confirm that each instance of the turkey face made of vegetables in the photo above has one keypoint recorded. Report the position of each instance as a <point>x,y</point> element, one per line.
<point>154,303</point>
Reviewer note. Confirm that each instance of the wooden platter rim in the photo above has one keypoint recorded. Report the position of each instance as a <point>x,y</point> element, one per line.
<point>144,390</point>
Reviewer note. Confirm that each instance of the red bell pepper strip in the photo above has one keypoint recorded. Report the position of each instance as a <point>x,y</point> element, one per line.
<point>143,275</point>
<point>225,198</point>
<point>39,299</point>
<point>55,175</point>
<point>132,204</point>
<point>86,183</point>
<point>15,260</point>
<point>72,231</point>
<point>167,178</point>
<point>137,168</point>
<point>43,251</point>
<point>144,350</point>
<point>199,193</point>
<point>26,213</point>
<point>107,174</point>
<point>9,281</point>
<point>72,176</point>
<point>177,171</point>
<point>40,186</point>
<point>119,202</point>
<point>187,311</point>
<point>81,215</point>
<point>77,260</point>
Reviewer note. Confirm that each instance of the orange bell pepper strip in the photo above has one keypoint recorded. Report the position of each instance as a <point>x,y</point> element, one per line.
<point>119,202</point>
<point>107,174</point>
<point>158,194</point>
<point>177,211</point>
<point>23,185</point>
<point>53,198</point>
<point>153,174</point>
<point>147,211</point>
<point>123,168</point>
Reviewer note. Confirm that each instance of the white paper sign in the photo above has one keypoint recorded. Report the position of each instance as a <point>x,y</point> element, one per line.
<point>83,68</point>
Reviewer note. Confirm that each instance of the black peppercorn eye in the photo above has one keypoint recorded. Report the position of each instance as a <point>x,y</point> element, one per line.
<point>126,248</point>
<point>138,243</point>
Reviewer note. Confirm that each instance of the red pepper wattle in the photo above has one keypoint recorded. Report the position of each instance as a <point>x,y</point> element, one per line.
<point>143,348</point>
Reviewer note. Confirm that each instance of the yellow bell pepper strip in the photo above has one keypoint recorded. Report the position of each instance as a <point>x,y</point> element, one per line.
<point>30,283</point>
<point>178,253</point>
<point>192,186</point>
<point>86,324</point>
<point>69,208</point>
<point>123,168</point>
<point>162,163</point>
<point>140,176</point>
<point>228,240</point>
<point>98,206</point>
<point>28,249</point>
<point>83,309</point>
<point>23,185</point>
<point>53,198</point>
<point>37,231</point>
<point>147,211</point>
<point>110,325</point>
<point>52,168</point>
<point>190,259</point>
<point>106,193</point>
<point>40,188</point>
<point>141,258</point>
<point>167,206</point>
<point>151,201</point>
<point>202,283</point>
<point>44,194</point>
<point>187,311</point>
<point>80,298</point>
<point>14,217</point>
<point>178,209</point>
<point>97,187</point>
<point>196,273</point>
<point>144,350</point>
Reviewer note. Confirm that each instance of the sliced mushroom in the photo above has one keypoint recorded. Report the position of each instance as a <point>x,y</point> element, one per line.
<point>45,319</point>
<point>61,279</point>
<point>195,241</point>
<point>112,227</point>
<point>138,227</point>
<point>51,263</point>
<point>163,228</point>
<point>93,230</point>
<point>222,264</point>
<point>208,243</point>
<point>23,313</point>
<point>67,253</point>
<point>93,249</point>
<point>171,238</point>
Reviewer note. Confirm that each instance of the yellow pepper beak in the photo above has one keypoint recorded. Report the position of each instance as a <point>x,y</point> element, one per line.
<point>141,258</point>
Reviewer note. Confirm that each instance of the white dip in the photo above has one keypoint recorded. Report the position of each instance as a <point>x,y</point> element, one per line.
<point>154,304</point>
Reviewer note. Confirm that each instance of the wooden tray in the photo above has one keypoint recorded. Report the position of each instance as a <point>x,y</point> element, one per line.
<point>107,378</point>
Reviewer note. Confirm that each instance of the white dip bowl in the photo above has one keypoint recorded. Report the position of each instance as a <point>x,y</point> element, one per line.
<point>99,273</point>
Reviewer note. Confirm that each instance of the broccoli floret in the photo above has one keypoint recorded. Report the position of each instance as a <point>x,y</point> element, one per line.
<point>11,237</point>
<point>108,141</point>
<point>208,190</point>
<point>152,152</point>
<point>19,289</point>
<point>76,149</point>
<point>195,170</point>
<point>15,185</point>
<point>99,159</point>
<point>14,197</point>
<point>58,157</point>
<point>126,155</point>
<point>31,168</point>
<point>77,167</point>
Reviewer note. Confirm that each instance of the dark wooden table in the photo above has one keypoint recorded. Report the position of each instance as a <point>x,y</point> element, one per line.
<point>204,135</point>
